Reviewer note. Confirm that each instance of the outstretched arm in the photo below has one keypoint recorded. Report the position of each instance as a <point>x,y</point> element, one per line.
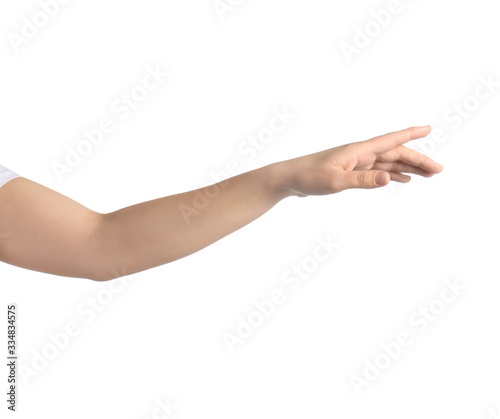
<point>43,230</point>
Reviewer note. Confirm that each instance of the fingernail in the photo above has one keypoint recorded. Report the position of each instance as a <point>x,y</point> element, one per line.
<point>380,178</point>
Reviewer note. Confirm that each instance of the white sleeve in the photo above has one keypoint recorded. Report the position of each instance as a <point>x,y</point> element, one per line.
<point>6,175</point>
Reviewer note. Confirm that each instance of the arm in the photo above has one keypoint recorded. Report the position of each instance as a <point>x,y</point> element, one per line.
<point>46,231</point>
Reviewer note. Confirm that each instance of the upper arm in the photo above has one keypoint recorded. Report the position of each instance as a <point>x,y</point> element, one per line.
<point>43,230</point>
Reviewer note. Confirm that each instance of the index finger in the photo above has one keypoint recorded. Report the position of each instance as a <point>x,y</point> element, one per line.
<point>387,142</point>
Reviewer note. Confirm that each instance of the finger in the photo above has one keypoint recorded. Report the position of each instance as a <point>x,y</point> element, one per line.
<point>408,155</point>
<point>399,177</point>
<point>415,158</point>
<point>366,179</point>
<point>399,166</point>
<point>389,141</point>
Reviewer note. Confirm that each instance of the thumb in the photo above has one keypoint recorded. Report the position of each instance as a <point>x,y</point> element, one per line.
<point>367,179</point>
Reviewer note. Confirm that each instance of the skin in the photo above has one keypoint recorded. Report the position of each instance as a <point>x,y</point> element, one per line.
<point>42,230</point>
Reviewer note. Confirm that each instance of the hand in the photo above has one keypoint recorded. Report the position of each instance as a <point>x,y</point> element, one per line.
<point>364,164</point>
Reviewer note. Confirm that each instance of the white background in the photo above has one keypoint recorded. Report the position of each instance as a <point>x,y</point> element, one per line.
<point>161,336</point>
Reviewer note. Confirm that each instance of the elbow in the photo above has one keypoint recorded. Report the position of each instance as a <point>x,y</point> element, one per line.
<point>99,277</point>
<point>104,274</point>
<point>101,261</point>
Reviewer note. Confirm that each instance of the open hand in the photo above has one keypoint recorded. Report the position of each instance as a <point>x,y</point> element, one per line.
<point>364,164</point>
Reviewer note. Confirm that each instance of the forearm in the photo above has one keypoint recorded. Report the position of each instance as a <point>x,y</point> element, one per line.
<point>43,230</point>
<point>156,232</point>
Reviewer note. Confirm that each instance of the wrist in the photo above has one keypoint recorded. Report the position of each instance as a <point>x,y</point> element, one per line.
<point>279,180</point>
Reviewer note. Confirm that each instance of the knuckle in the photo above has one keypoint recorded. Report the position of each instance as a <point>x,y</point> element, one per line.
<point>361,177</point>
